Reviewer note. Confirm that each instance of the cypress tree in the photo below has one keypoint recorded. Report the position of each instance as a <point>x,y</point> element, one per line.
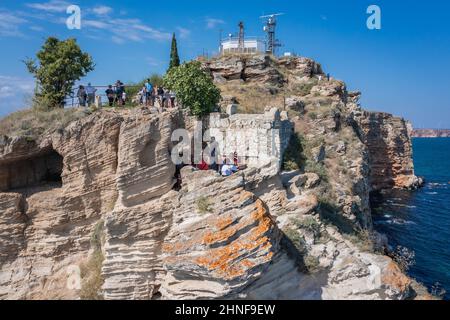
<point>174,58</point>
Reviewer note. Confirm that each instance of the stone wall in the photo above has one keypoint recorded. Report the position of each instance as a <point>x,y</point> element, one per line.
<point>258,139</point>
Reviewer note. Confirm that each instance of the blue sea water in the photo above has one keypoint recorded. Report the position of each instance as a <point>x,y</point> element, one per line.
<point>420,220</point>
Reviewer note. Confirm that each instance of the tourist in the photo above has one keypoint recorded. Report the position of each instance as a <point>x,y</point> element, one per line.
<point>166,98</point>
<point>149,91</point>
<point>124,97</point>
<point>90,91</point>
<point>227,169</point>
<point>82,96</point>
<point>235,158</point>
<point>143,96</point>
<point>120,89</point>
<point>213,160</point>
<point>160,93</point>
<point>203,165</point>
<point>110,95</point>
<point>172,97</point>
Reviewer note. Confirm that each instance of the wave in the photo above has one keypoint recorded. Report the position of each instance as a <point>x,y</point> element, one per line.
<point>402,205</point>
<point>395,221</point>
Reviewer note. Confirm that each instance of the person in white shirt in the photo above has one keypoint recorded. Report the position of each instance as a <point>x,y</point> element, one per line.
<point>90,91</point>
<point>228,169</point>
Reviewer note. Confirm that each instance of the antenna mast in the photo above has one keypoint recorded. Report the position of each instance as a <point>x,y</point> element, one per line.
<point>271,41</point>
<point>241,37</point>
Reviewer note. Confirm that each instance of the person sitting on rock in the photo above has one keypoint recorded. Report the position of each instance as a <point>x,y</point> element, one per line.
<point>228,169</point>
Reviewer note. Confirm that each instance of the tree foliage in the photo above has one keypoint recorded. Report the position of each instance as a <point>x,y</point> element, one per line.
<point>156,80</point>
<point>194,88</point>
<point>61,64</point>
<point>174,58</point>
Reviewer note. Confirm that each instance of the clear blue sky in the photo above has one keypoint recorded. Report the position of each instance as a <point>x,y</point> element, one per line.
<point>403,68</point>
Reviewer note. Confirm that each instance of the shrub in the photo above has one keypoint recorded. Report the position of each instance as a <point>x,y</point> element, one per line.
<point>203,205</point>
<point>296,239</point>
<point>92,279</point>
<point>311,263</point>
<point>91,271</point>
<point>194,88</point>
<point>312,115</point>
<point>293,158</point>
<point>304,89</point>
<point>330,214</point>
<point>318,168</point>
<point>363,239</point>
<point>308,223</point>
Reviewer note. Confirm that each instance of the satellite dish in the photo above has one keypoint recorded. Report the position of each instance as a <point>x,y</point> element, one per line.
<point>272,15</point>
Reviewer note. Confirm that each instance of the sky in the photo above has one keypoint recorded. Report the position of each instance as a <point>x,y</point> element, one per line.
<point>403,68</point>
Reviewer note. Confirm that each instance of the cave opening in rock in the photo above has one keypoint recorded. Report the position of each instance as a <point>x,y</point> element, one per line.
<point>43,169</point>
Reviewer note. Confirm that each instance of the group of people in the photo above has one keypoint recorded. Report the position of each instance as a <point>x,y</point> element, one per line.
<point>115,94</point>
<point>86,95</point>
<point>150,93</point>
<point>226,168</point>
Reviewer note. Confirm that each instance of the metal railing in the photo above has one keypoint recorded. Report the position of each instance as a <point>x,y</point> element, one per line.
<point>72,100</point>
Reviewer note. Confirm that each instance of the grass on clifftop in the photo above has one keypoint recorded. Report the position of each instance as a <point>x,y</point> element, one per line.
<point>33,122</point>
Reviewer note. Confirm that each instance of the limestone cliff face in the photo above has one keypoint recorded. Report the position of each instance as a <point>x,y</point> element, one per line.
<point>388,140</point>
<point>57,191</point>
<point>215,238</point>
<point>259,234</point>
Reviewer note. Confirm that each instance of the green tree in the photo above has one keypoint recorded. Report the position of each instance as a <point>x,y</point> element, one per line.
<point>61,64</point>
<point>174,58</point>
<point>194,88</point>
<point>156,80</point>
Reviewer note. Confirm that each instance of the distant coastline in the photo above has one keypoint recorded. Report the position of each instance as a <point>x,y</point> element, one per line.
<point>431,133</point>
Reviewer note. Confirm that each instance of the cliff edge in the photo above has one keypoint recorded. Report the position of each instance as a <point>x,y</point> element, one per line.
<point>93,210</point>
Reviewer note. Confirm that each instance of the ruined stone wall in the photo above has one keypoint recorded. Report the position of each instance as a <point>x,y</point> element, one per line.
<point>257,138</point>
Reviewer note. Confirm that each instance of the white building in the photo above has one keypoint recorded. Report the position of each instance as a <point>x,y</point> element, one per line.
<point>251,45</point>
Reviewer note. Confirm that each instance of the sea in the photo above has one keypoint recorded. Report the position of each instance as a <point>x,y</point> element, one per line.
<point>420,220</point>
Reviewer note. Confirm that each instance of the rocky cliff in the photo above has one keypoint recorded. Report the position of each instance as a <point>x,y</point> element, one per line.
<point>431,133</point>
<point>91,210</point>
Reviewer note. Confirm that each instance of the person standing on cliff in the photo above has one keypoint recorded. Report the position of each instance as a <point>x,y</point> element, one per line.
<point>148,93</point>
<point>81,94</point>
<point>120,89</point>
<point>110,95</point>
<point>90,91</point>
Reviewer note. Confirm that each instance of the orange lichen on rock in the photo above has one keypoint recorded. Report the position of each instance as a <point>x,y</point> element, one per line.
<point>224,223</point>
<point>244,196</point>
<point>227,260</point>
<point>393,276</point>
